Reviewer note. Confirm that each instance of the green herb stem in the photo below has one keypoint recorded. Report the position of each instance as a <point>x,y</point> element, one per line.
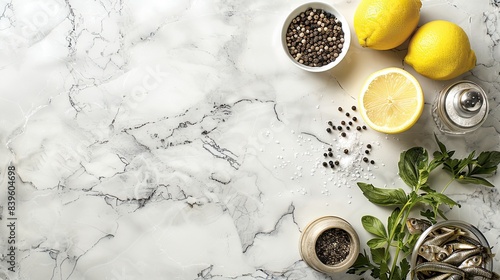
<point>414,170</point>
<point>448,184</point>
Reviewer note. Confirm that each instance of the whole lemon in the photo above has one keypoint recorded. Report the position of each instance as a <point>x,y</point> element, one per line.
<point>440,50</point>
<point>385,24</point>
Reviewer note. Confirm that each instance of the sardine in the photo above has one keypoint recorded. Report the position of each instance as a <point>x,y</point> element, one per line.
<point>438,267</point>
<point>468,240</point>
<point>417,226</point>
<point>471,272</point>
<point>454,277</point>
<point>441,239</point>
<point>433,253</point>
<point>440,277</point>
<point>450,247</point>
<point>474,261</point>
<point>458,257</point>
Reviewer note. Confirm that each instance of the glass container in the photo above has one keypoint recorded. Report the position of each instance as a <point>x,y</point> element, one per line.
<point>460,108</point>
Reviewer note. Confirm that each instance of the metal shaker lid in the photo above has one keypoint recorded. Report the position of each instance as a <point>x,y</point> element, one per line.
<point>465,104</point>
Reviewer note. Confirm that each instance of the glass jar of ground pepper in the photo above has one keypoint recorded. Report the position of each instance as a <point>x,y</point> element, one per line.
<point>329,244</point>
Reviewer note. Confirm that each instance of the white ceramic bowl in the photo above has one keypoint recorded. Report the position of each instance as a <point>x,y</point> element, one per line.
<point>325,7</point>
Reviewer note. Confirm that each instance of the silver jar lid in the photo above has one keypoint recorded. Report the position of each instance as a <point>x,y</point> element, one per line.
<point>463,106</point>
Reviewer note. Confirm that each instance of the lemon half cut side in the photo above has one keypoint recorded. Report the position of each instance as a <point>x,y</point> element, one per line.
<point>391,100</point>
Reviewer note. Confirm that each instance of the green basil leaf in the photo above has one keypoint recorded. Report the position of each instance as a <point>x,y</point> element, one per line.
<point>374,226</point>
<point>392,222</point>
<point>441,146</point>
<point>410,244</point>
<point>430,215</point>
<point>378,256</point>
<point>435,198</point>
<point>468,161</point>
<point>405,268</point>
<point>422,178</point>
<point>361,265</point>
<point>474,180</point>
<point>384,271</point>
<point>445,154</point>
<point>376,243</point>
<point>384,197</point>
<point>410,163</point>
<point>487,163</point>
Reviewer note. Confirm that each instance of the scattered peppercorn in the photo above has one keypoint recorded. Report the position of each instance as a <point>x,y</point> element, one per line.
<point>330,123</point>
<point>358,127</point>
<point>325,164</point>
<point>342,122</point>
<point>325,154</point>
<point>330,154</point>
<point>369,146</point>
<point>339,127</point>
<point>329,149</point>
<point>329,130</point>
<point>348,128</point>
<point>346,151</point>
<point>364,127</point>
<point>347,114</point>
<point>343,134</point>
<point>350,123</point>
<point>365,159</point>
<point>353,108</point>
<point>354,118</point>
<point>330,162</point>
<point>340,109</point>
<point>367,152</point>
<point>372,161</point>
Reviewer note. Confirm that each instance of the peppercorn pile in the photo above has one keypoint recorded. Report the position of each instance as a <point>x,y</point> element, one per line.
<point>315,38</point>
<point>349,124</point>
<point>333,246</point>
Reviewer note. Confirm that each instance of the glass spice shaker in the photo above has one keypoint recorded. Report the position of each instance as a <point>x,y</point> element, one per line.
<point>460,108</point>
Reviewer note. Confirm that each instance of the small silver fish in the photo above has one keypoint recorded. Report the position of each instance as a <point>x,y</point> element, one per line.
<point>468,240</point>
<point>471,272</point>
<point>454,246</point>
<point>440,277</point>
<point>474,261</point>
<point>417,226</point>
<point>454,277</point>
<point>459,257</point>
<point>433,252</point>
<point>442,238</point>
<point>438,267</point>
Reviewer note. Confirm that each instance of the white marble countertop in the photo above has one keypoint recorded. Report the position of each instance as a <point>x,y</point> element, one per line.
<point>173,140</point>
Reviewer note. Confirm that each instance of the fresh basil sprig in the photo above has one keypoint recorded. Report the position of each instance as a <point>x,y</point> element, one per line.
<point>391,246</point>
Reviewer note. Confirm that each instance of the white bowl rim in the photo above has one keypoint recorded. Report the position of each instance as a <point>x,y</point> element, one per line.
<point>328,8</point>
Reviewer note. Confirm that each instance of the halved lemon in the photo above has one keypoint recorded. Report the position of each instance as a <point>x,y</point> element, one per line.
<point>391,100</point>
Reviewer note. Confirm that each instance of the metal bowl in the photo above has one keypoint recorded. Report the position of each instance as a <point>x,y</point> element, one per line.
<point>325,7</point>
<point>470,230</point>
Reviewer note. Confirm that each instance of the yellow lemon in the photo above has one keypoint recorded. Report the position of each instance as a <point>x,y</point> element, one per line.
<point>385,24</point>
<point>440,50</point>
<point>391,100</point>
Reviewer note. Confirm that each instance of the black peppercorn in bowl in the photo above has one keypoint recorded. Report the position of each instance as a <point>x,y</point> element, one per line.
<point>315,36</point>
<point>329,244</point>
